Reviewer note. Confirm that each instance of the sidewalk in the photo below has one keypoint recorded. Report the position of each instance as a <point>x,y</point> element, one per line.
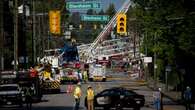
<point>174,96</point>
<point>173,107</point>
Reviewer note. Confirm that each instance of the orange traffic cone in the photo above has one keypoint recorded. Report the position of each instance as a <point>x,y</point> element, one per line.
<point>69,88</point>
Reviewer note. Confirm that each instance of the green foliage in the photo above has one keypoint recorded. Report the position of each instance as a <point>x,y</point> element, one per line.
<point>111,10</point>
<point>169,30</point>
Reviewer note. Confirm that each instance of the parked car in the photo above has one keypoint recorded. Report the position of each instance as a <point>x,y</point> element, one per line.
<point>11,94</point>
<point>118,98</point>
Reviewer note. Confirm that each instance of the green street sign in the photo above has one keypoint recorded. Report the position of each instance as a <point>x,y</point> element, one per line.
<point>83,5</point>
<point>94,18</point>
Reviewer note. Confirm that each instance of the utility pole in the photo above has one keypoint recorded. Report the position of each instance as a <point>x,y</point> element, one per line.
<point>146,53</point>
<point>34,33</point>
<point>43,18</point>
<point>1,36</point>
<point>24,34</point>
<point>16,35</point>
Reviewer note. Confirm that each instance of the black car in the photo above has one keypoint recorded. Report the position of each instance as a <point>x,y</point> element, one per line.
<point>118,98</point>
<point>10,94</point>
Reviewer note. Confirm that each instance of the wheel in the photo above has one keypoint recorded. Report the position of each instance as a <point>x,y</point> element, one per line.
<point>90,79</point>
<point>104,79</point>
<point>20,105</point>
<point>106,108</point>
<point>136,108</point>
<point>118,106</point>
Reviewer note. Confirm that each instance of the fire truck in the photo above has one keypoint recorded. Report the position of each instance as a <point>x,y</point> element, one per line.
<point>97,72</point>
<point>66,61</point>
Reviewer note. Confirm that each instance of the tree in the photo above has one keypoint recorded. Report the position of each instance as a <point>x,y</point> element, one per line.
<point>91,12</point>
<point>169,25</point>
<point>111,10</point>
<point>101,12</point>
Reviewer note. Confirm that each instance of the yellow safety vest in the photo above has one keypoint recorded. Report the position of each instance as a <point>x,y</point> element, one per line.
<point>85,74</point>
<point>77,92</point>
<point>90,94</point>
<point>46,75</point>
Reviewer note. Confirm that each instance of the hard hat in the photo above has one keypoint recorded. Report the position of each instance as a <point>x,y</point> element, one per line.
<point>159,89</point>
<point>187,87</point>
<point>89,86</point>
<point>78,83</point>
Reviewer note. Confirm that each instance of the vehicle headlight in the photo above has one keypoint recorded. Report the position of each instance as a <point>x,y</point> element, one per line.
<point>138,102</point>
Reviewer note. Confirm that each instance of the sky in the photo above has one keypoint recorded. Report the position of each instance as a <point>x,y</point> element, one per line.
<point>105,3</point>
<point>118,3</point>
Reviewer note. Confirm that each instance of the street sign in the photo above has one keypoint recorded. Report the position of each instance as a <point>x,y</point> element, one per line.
<point>147,59</point>
<point>67,34</point>
<point>168,68</point>
<point>83,5</point>
<point>95,18</point>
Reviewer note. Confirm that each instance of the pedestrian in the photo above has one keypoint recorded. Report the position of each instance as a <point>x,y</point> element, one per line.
<point>28,98</point>
<point>77,96</point>
<point>158,99</point>
<point>187,97</point>
<point>79,75</point>
<point>85,76</point>
<point>90,98</point>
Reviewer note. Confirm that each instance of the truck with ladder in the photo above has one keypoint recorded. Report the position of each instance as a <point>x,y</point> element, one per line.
<point>65,60</point>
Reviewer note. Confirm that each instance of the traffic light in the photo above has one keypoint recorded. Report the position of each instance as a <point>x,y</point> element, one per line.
<point>54,21</point>
<point>121,23</point>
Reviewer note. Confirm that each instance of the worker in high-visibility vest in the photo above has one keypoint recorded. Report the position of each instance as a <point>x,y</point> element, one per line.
<point>85,76</point>
<point>47,76</point>
<point>90,98</point>
<point>77,96</point>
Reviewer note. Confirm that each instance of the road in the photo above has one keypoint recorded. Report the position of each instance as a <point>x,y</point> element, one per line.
<point>65,101</point>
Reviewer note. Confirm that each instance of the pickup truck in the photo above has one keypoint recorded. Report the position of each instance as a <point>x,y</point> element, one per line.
<point>11,94</point>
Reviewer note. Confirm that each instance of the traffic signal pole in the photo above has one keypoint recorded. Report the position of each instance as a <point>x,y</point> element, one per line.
<point>1,37</point>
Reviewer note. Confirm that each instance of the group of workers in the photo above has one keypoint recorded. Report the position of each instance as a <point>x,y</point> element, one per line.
<point>82,75</point>
<point>89,96</point>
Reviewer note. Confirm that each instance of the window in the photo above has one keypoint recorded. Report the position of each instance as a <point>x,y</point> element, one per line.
<point>128,93</point>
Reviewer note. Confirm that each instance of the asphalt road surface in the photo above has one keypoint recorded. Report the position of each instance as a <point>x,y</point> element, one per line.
<point>65,101</point>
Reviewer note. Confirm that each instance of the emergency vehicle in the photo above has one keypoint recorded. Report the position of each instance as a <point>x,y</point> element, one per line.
<point>66,60</point>
<point>97,72</point>
<point>50,81</point>
<point>24,79</point>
